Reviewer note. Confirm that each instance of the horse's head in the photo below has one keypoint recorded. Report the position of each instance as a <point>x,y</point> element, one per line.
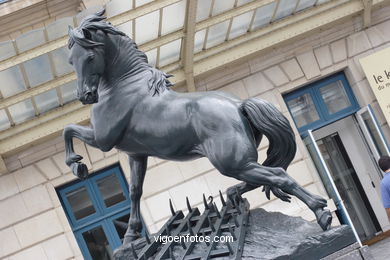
<point>87,57</point>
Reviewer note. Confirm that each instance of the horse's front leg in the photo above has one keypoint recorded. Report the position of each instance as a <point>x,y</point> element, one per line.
<point>85,134</point>
<point>138,166</point>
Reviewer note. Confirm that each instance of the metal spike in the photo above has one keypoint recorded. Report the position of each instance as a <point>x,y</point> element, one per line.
<point>183,244</point>
<point>236,221</point>
<point>167,230</point>
<point>231,199</point>
<point>147,239</point>
<point>240,199</point>
<point>171,207</point>
<point>211,224</point>
<point>206,206</point>
<point>222,199</point>
<point>189,227</point>
<point>212,227</point>
<point>217,211</point>
<point>171,253</point>
<point>230,248</point>
<point>232,232</point>
<point>133,251</point>
<point>188,205</point>
<point>237,192</point>
<point>204,236</point>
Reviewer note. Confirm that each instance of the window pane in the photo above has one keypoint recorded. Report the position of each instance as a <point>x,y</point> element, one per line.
<point>303,110</point>
<point>217,34</point>
<point>146,27</point>
<point>4,122</point>
<point>199,40</point>
<point>170,53</point>
<point>80,202</point>
<point>111,190</point>
<point>59,28</point>
<point>12,81</point>
<point>30,40</point>
<point>38,70</point>
<point>69,92</point>
<point>286,7</point>
<point>203,10</point>
<point>116,7</point>
<point>6,50</point>
<point>22,111</point>
<point>173,17</point>
<point>47,101</point>
<point>60,60</point>
<point>97,244</point>
<point>240,25</point>
<point>121,225</point>
<point>221,6</point>
<point>335,97</point>
<point>263,15</point>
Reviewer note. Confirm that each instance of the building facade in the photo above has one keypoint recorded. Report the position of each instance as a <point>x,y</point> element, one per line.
<point>315,79</point>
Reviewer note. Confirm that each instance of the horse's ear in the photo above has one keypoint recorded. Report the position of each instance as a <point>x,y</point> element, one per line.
<point>87,34</point>
<point>101,12</point>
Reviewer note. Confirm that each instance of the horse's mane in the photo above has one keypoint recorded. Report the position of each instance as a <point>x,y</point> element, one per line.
<point>81,35</point>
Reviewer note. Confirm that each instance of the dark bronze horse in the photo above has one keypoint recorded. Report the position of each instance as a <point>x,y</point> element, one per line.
<point>135,111</point>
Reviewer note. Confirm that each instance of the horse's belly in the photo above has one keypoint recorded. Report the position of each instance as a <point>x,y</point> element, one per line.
<point>164,148</point>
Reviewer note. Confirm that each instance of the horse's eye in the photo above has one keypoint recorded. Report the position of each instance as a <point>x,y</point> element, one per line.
<point>90,58</point>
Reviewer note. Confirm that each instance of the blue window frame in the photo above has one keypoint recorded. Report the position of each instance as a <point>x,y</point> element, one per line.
<point>321,103</point>
<point>98,210</point>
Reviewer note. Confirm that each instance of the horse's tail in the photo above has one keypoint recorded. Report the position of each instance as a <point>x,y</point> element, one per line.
<point>268,120</point>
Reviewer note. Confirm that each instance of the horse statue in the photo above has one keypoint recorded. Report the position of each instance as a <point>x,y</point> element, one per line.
<point>135,111</point>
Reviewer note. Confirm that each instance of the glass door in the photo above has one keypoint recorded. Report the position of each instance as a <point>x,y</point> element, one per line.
<point>329,183</point>
<point>349,186</point>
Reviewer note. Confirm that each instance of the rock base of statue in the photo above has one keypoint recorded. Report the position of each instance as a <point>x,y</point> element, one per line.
<point>273,235</point>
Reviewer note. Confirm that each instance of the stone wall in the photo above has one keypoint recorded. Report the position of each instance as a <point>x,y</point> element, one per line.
<point>33,224</point>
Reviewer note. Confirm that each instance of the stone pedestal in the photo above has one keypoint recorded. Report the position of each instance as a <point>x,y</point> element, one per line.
<point>273,235</point>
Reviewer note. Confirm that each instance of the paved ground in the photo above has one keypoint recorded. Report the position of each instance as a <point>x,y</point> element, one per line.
<point>381,250</point>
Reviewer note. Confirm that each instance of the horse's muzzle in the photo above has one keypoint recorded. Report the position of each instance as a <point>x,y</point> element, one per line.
<point>89,97</point>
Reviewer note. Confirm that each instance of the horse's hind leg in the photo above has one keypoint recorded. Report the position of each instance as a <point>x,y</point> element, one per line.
<point>257,174</point>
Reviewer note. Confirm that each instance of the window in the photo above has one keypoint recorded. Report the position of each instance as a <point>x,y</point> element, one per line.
<point>98,210</point>
<point>321,103</point>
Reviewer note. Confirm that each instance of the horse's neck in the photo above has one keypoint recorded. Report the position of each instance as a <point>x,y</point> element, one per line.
<point>118,63</point>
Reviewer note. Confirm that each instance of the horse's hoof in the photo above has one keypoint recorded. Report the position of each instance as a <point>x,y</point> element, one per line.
<point>73,158</point>
<point>324,219</point>
<point>80,170</point>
